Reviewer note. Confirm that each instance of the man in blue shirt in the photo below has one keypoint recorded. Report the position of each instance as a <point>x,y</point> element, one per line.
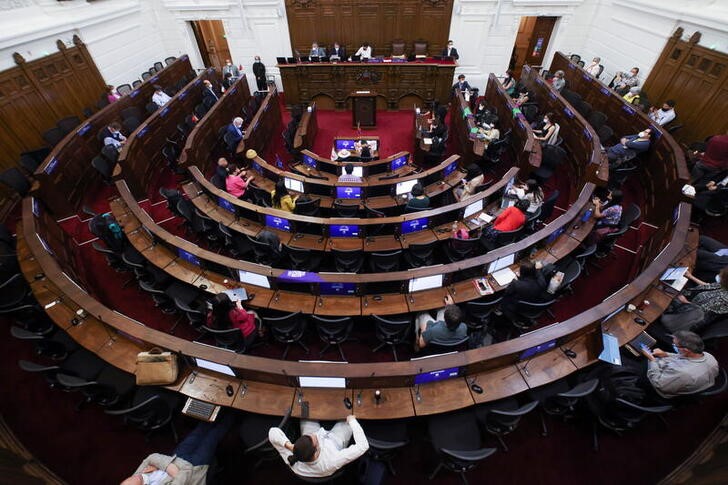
<point>630,145</point>
<point>448,326</point>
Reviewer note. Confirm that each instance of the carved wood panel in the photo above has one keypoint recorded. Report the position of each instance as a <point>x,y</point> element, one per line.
<point>378,22</point>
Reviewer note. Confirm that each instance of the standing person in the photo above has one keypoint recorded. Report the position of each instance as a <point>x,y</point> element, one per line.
<point>319,453</point>
<point>235,129</point>
<point>226,315</point>
<point>259,73</point>
<point>450,51</point>
<point>462,85</point>
<point>190,460</point>
<point>230,68</point>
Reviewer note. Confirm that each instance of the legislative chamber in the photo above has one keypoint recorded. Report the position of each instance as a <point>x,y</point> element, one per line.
<point>349,243</point>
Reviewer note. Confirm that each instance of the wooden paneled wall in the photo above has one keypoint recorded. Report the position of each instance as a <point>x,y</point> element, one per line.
<point>697,79</point>
<point>36,94</point>
<point>378,22</point>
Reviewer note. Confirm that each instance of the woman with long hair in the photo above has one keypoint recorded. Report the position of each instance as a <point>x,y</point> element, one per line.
<point>281,198</point>
<point>530,191</point>
<point>226,315</point>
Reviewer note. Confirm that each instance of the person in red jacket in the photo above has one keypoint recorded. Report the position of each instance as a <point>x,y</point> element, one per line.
<point>225,315</point>
<point>511,219</point>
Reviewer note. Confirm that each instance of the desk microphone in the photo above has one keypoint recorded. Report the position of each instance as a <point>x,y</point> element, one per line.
<point>300,396</point>
<point>358,398</point>
<point>320,302</point>
<point>418,396</point>
<point>192,377</point>
<point>569,353</point>
<point>525,368</point>
<point>243,390</point>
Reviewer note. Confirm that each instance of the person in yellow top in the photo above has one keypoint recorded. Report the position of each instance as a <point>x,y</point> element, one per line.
<point>281,198</point>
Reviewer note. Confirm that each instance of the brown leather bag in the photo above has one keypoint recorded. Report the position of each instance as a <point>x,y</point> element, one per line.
<point>156,367</point>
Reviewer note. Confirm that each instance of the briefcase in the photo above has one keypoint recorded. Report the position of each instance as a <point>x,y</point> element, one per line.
<point>156,367</point>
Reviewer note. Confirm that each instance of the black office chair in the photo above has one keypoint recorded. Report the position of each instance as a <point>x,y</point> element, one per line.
<point>618,175</point>
<point>53,136</point>
<point>460,249</point>
<point>104,168</point>
<point>110,153</point>
<point>503,238</point>
<point>68,124</point>
<point>193,222</point>
<point>560,400</point>
<point>547,208</point>
<point>302,259</point>
<point>348,260</point>
<point>392,331</point>
<point>264,254</point>
<point>287,329</point>
<point>151,409</point>
<point>195,317</point>
<point>582,254</point>
<point>333,332</point>
<point>158,66</point>
<point>456,438</point>
<point>373,229</point>
<point>441,347</point>
<point>347,210</point>
<point>309,208</point>
<point>385,439</point>
<point>231,142</point>
<point>259,196</point>
<point>385,262</point>
<point>417,255</point>
<point>527,312</point>
<point>479,312</point>
<point>110,387</point>
<point>597,119</point>
<point>502,417</point>
<point>14,178</point>
<point>629,215</point>
<point>145,75</point>
<point>253,432</point>
<point>136,83</point>
<point>169,60</point>
<point>48,342</point>
<point>14,292</point>
<point>231,338</point>
<point>572,270</point>
<point>552,156</point>
<point>81,363</point>
<point>719,386</point>
<point>583,108</point>
<point>605,134</point>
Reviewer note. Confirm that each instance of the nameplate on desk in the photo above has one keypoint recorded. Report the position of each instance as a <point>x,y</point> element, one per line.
<point>363,92</point>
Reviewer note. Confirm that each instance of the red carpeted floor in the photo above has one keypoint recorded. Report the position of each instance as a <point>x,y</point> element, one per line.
<point>89,447</point>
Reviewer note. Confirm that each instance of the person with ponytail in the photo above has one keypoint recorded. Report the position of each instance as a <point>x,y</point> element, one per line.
<point>227,314</point>
<point>319,453</point>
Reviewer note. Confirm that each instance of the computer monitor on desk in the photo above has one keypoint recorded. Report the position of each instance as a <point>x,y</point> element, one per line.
<point>253,279</point>
<point>449,169</point>
<point>473,208</point>
<point>414,225</point>
<point>425,283</point>
<point>189,257</point>
<point>437,375</point>
<point>293,184</point>
<point>501,263</point>
<point>538,349</point>
<point>322,382</point>
<point>344,230</point>
<point>343,289</point>
<point>278,223</point>
<point>348,192</point>
<point>398,163</point>
<point>214,366</point>
<point>404,188</point>
<point>226,204</point>
<point>310,161</point>
<point>344,145</point>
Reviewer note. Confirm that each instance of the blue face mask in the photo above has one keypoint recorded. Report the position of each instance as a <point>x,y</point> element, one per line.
<point>676,348</point>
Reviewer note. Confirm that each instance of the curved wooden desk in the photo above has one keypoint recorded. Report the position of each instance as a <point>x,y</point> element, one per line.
<point>307,129</point>
<point>265,124</point>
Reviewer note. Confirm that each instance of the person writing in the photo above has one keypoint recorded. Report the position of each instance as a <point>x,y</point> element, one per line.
<point>281,198</point>
<point>364,52</point>
<point>319,453</point>
<point>226,315</point>
<point>237,180</point>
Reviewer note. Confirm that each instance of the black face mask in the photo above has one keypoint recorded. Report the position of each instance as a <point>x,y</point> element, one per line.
<point>665,109</point>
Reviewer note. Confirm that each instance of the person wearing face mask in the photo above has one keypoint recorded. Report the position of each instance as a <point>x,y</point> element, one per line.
<point>625,80</point>
<point>699,306</point>
<point>593,67</point>
<point>549,134</point>
<point>559,81</point>
<point>259,73</point>
<point>633,96</point>
<point>450,51</point>
<point>320,453</point>
<point>629,146</point>
<point>232,69</point>
<point>509,83</point>
<point>687,370</point>
<point>665,114</point>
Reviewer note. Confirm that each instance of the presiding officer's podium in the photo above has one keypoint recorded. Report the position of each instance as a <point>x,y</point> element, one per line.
<point>363,109</point>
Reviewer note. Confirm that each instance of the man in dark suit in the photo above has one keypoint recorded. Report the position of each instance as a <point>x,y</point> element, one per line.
<point>531,286</point>
<point>208,90</point>
<point>259,73</point>
<point>338,51</point>
<point>461,85</point>
<point>235,131</point>
<point>450,51</point>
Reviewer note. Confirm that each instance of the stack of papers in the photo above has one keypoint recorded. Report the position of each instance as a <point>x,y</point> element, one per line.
<point>504,276</point>
<point>487,218</point>
<point>428,141</point>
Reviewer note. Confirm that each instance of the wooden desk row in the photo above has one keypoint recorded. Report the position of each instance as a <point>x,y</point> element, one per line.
<point>665,170</point>
<point>265,124</point>
<point>307,129</point>
<point>313,164</point>
<point>69,163</point>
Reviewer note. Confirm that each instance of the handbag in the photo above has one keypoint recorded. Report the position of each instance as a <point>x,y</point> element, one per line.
<point>155,367</point>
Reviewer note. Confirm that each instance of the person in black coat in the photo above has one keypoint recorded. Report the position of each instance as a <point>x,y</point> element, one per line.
<point>531,286</point>
<point>450,51</point>
<point>338,51</point>
<point>259,73</point>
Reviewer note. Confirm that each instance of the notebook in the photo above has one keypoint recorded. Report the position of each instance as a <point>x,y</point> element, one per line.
<point>504,276</point>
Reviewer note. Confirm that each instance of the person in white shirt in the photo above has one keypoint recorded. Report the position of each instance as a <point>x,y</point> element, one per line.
<point>365,51</point>
<point>593,67</point>
<point>114,136</point>
<point>160,98</point>
<point>665,114</point>
<point>319,453</point>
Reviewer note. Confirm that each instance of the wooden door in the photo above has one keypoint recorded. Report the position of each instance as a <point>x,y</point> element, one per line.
<point>211,40</point>
<point>523,40</point>
<point>539,40</point>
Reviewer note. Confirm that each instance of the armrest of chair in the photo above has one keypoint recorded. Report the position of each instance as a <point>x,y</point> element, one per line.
<point>120,412</point>
<point>516,412</point>
<point>23,334</point>
<point>647,409</point>
<point>29,366</point>
<point>386,445</point>
<point>469,455</point>
<point>73,381</point>
<point>583,389</point>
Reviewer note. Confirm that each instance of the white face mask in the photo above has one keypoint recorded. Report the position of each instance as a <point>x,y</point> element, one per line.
<point>545,120</point>
<point>642,134</point>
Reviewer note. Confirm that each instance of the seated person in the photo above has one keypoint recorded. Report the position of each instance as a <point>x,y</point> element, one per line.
<point>348,175</point>
<point>365,151</point>
<point>236,130</point>
<point>338,52</point>
<point>448,326</point>
<point>511,219</point>
<point>697,307</point>
<point>226,315</point>
<point>665,114</point>
<point>281,198</point>
<point>608,215</point>
<point>709,262</point>
<point>529,191</point>
<point>160,98</point>
<point>319,453</point>
<point>419,199</point>
<point>317,51</point>
<point>628,146</point>
<point>524,97</point>
<point>437,129</point>
<point>208,90</point>
<point>488,133</point>
<point>219,178</point>
<point>112,96</point>
<point>686,371</point>
<point>450,51</point>
<point>625,80</point>
<point>713,162</point>
<point>549,134</point>
<point>365,51</point>
<point>230,68</point>
<point>114,136</point>
<point>462,85</point>
<point>272,240</point>
<point>633,96</point>
<point>237,180</point>
<point>469,184</point>
<point>558,81</point>
<point>593,67</point>
<point>190,460</point>
<point>342,155</point>
<point>509,82</point>
<point>531,285</point>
